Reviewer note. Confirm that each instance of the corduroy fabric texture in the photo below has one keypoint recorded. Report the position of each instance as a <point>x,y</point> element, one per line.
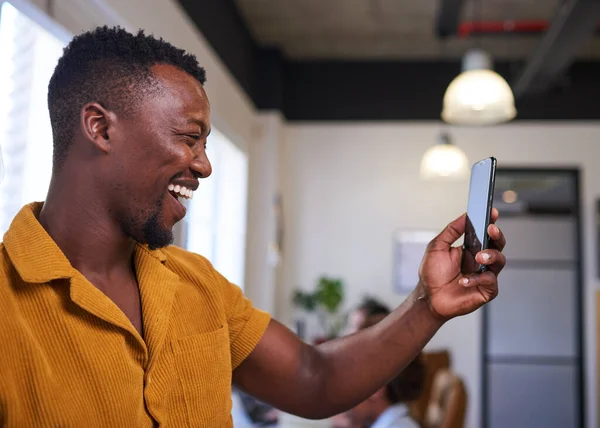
<point>69,357</point>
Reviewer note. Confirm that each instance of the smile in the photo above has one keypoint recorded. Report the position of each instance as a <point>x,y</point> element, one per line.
<point>180,191</point>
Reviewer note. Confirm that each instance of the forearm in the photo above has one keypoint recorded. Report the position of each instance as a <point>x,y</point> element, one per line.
<point>321,381</point>
<point>347,370</point>
<point>317,382</point>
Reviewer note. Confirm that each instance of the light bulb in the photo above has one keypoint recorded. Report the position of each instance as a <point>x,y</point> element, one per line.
<point>444,160</point>
<point>510,196</point>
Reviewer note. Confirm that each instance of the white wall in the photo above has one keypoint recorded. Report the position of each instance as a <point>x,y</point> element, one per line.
<point>263,186</point>
<point>347,187</point>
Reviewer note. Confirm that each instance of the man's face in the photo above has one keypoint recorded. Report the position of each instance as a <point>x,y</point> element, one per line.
<point>158,152</point>
<point>356,320</point>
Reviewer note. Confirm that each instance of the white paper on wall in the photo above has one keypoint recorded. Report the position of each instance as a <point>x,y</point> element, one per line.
<point>409,247</point>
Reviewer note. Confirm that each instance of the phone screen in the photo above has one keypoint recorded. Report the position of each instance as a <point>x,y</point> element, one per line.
<point>479,209</point>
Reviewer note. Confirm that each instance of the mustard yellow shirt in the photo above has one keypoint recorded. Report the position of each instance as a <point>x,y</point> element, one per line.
<point>69,357</point>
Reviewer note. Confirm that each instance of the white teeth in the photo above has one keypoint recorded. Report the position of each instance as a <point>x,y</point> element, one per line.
<point>181,190</point>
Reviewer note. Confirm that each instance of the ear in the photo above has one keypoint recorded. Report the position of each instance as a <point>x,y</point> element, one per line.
<point>96,123</point>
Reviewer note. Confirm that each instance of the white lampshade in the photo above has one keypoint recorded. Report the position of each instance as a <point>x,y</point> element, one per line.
<point>478,96</point>
<point>444,160</point>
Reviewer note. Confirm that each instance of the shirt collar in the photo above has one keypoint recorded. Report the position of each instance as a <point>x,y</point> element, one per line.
<point>34,254</point>
<point>391,416</point>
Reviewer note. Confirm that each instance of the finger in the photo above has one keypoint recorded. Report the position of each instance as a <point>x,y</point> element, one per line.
<point>449,235</point>
<point>493,259</point>
<point>468,280</point>
<point>497,239</point>
<point>486,280</point>
<point>494,216</point>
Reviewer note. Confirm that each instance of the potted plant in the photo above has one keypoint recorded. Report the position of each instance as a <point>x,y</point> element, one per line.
<point>325,302</point>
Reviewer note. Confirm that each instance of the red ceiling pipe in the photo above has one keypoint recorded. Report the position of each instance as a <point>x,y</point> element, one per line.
<point>466,29</point>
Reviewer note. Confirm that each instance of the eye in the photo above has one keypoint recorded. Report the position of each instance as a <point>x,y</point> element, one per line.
<point>192,139</point>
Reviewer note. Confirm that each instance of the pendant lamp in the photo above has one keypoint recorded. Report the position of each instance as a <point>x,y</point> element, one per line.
<point>444,160</point>
<point>478,96</point>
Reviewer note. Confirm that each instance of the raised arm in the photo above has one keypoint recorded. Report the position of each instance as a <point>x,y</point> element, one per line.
<point>321,381</point>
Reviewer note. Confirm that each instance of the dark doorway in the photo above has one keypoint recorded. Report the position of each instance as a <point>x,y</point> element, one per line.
<point>533,331</point>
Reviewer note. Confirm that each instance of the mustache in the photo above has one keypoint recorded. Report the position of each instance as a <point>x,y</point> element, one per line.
<point>178,175</point>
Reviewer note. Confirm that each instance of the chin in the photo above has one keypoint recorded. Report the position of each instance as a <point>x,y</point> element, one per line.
<point>156,234</point>
<point>159,242</point>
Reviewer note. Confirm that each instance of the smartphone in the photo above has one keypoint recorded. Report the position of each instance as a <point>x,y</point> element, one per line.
<point>479,211</point>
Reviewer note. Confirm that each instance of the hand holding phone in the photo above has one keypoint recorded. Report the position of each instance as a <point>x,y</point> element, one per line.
<point>479,209</point>
<point>451,292</point>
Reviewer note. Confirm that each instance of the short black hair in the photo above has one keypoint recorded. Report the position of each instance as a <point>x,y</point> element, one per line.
<point>112,67</point>
<point>372,306</point>
<point>408,385</point>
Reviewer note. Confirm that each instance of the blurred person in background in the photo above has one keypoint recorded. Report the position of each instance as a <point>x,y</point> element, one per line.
<point>388,407</point>
<point>368,307</point>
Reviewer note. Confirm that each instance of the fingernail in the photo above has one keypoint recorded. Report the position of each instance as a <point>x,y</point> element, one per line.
<point>495,228</point>
<point>485,257</point>
<point>463,281</point>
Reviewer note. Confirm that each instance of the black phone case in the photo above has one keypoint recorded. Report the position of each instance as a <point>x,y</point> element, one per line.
<point>486,241</point>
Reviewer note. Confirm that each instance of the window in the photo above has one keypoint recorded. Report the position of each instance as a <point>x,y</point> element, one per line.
<point>28,54</point>
<point>216,220</point>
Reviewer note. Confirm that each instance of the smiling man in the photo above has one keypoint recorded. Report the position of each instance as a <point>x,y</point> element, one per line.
<point>104,323</point>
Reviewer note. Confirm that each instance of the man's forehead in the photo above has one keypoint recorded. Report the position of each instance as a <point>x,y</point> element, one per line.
<point>183,95</point>
<point>178,81</point>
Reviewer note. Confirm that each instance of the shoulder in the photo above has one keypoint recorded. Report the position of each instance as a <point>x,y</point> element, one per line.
<point>4,262</point>
<point>408,422</point>
<point>197,271</point>
<point>178,259</point>
<point>9,307</point>
<point>6,276</point>
<point>193,268</point>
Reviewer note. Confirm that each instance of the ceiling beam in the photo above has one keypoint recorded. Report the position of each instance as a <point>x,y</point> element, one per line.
<point>575,22</point>
<point>223,26</point>
<point>448,18</point>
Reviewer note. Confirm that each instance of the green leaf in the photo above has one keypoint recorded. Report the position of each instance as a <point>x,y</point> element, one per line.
<point>304,300</point>
<point>330,293</point>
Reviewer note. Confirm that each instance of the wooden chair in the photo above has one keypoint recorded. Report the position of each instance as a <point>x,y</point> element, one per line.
<point>434,361</point>
<point>448,402</point>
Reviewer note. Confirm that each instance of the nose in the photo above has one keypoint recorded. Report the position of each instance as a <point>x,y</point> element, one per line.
<point>201,165</point>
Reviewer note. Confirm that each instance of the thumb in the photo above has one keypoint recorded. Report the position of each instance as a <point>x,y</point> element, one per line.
<point>449,235</point>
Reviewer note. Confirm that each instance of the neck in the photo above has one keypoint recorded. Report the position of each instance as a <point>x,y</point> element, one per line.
<point>85,232</point>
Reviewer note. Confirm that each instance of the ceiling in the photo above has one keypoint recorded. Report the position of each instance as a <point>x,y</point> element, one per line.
<point>392,29</point>
<point>309,59</point>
